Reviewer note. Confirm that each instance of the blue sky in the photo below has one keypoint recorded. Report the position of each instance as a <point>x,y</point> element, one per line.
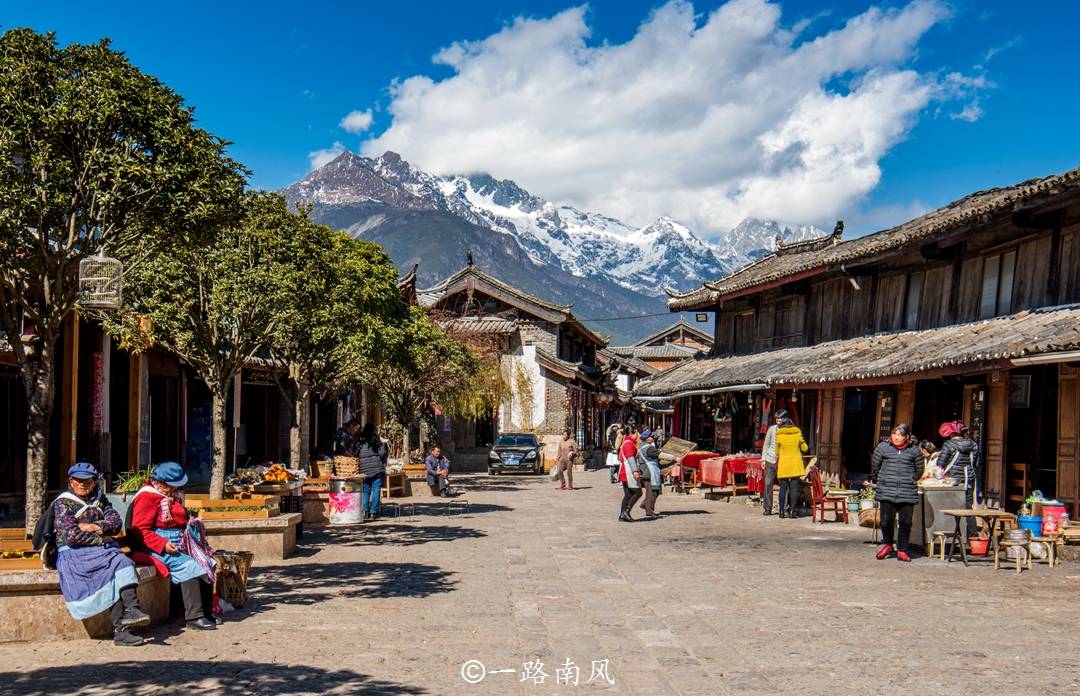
<point>277,79</point>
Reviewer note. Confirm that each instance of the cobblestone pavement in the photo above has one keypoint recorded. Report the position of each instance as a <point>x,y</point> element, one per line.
<point>710,599</point>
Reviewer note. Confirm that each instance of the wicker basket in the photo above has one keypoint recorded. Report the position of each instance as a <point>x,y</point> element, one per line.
<point>346,466</point>
<point>870,518</point>
<point>232,576</point>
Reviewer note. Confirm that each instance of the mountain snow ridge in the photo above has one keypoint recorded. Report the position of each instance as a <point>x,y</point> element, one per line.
<point>662,254</point>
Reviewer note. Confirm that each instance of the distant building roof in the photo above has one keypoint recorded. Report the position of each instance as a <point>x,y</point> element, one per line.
<point>982,345</point>
<point>801,259</point>
<point>681,325</point>
<point>472,278</point>
<point>480,325</point>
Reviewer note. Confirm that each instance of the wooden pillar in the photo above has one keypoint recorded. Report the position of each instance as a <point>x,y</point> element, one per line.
<point>1068,438</point>
<point>997,421</point>
<point>69,403</point>
<point>905,403</point>
<point>136,400</point>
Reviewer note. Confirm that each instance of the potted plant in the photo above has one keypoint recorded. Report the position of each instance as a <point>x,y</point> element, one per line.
<point>127,485</point>
<point>866,498</point>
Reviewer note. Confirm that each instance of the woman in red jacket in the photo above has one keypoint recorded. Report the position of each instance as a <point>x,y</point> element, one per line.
<point>629,475</point>
<point>158,520</point>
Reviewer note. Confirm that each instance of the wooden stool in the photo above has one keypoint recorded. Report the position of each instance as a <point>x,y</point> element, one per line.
<point>939,538</point>
<point>1005,545</point>
<point>1051,548</point>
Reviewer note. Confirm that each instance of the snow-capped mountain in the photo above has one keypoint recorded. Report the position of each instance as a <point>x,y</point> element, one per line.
<point>358,193</point>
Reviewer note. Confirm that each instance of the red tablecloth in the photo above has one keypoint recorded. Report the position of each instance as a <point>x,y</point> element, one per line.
<point>693,459</point>
<point>716,471</point>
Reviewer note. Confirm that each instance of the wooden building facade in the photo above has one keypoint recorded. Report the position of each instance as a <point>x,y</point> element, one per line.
<point>969,312</point>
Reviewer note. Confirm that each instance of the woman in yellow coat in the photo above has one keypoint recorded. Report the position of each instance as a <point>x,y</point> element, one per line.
<point>790,447</point>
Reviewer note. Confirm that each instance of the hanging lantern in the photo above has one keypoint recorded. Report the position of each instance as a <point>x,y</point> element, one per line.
<point>100,279</point>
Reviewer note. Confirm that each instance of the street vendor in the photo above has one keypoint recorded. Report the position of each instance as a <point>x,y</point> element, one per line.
<point>161,525</point>
<point>95,575</point>
<point>373,453</point>
<point>958,458</point>
<point>345,438</point>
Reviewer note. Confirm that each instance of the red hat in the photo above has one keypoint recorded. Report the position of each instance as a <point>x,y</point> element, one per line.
<point>951,428</point>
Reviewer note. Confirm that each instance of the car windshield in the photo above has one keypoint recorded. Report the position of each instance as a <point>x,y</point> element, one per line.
<point>516,441</point>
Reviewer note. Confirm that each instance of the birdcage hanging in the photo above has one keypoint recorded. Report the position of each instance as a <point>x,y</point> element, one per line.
<point>100,280</point>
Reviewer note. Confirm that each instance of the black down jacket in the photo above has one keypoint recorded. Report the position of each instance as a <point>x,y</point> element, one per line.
<point>896,472</point>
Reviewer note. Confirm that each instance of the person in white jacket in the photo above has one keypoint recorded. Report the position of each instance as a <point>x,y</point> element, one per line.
<point>768,455</point>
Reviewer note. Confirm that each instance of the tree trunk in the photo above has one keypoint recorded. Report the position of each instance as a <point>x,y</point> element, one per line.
<point>405,458</point>
<point>220,430</point>
<point>40,394</point>
<point>297,446</point>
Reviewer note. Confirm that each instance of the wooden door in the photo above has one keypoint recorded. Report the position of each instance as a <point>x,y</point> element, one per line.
<point>1068,441</point>
<point>832,424</point>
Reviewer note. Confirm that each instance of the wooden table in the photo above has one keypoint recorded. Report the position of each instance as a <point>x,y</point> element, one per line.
<point>992,518</point>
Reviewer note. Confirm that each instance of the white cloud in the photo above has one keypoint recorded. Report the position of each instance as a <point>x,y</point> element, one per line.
<point>320,157</point>
<point>709,119</point>
<point>357,121</point>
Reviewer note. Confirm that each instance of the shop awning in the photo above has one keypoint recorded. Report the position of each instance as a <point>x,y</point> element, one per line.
<point>980,345</point>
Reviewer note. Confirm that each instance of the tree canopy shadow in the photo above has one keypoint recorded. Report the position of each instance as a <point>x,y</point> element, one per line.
<point>222,677</point>
<point>386,532</point>
<point>311,583</point>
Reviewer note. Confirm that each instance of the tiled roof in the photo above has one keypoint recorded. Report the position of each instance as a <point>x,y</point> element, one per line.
<point>579,370</point>
<point>979,345</point>
<point>821,254</point>
<point>480,325</point>
<point>435,292</point>
<point>666,351</point>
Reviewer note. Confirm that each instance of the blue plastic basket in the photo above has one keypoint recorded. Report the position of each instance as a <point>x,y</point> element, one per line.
<point>1031,523</point>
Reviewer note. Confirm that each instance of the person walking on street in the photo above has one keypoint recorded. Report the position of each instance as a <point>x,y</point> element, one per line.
<point>614,440</point>
<point>567,450</point>
<point>438,473</point>
<point>372,453</point>
<point>959,457</point>
<point>649,454</point>
<point>629,476</point>
<point>768,456</point>
<point>790,447</point>
<point>895,467</point>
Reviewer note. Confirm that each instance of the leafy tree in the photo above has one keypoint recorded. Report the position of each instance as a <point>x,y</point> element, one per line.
<point>418,365</point>
<point>342,293</point>
<point>94,156</point>
<point>219,304</point>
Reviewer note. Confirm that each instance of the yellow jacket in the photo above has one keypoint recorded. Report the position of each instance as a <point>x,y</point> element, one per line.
<point>790,446</point>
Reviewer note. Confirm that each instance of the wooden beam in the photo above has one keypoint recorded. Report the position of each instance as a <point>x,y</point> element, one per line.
<point>1068,438</point>
<point>69,404</point>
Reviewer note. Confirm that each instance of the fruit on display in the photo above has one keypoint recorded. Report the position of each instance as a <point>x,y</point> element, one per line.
<point>277,473</point>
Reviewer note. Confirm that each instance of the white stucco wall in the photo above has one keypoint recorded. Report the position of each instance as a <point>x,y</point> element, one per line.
<point>512,417</point>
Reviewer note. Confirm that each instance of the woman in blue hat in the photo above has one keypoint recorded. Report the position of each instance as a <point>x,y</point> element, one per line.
<point>95,575</point>
<point>158,521</point>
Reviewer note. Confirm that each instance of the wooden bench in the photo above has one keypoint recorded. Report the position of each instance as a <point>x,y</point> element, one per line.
<point>33,607</point>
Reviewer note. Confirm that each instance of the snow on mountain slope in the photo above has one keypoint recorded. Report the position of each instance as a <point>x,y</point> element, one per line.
<point>586,244</point>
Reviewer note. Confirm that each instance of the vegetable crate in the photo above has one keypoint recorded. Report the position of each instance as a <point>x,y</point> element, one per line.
<point>255,507</point>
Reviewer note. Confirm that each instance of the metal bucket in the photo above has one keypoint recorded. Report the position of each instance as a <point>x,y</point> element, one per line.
<point>345,501</point>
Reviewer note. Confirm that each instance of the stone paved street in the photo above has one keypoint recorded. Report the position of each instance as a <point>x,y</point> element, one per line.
<point>710,599</point>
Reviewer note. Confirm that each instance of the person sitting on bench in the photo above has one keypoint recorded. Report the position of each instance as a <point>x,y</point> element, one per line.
<point>95,575</point>
<point>438,473</point>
